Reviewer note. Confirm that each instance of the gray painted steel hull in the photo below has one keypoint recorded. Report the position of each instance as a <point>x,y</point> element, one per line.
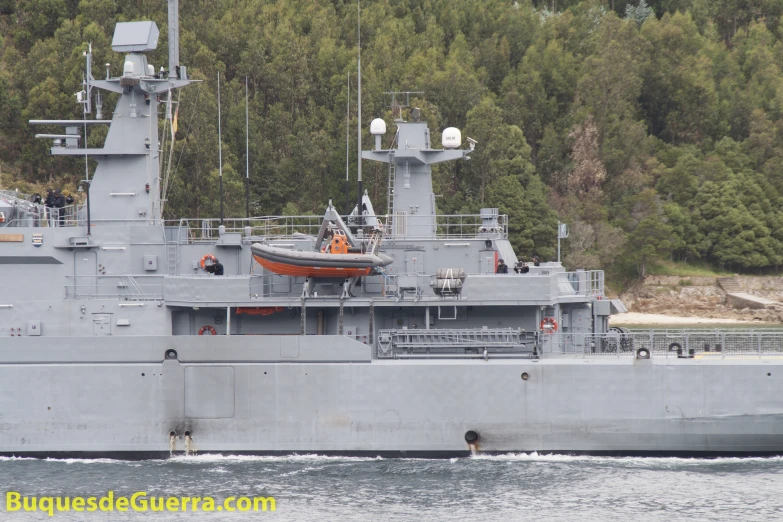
<point>89,308</point>
<point>282,394</point>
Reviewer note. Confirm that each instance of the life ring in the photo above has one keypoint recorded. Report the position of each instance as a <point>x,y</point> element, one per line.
<point>204,260</point>
<point>207,328</point>
<point>548,325</point>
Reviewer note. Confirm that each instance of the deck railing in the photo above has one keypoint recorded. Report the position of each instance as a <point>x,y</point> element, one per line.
<point>28,214</point>
<point>122,287</point>
<point>286,228</point>
<point>675,343</point>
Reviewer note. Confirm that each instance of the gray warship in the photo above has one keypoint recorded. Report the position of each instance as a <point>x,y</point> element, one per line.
<point>119,337</point>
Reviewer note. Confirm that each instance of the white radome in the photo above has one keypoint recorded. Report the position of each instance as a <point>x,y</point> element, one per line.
<point>452,138</point>
<point>377,127</point>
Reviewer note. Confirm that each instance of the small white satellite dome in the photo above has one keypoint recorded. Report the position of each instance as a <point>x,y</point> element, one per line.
<point>452,138</point>
<point>150,70</point>
<point>378,127</point>
<point>128,69</point>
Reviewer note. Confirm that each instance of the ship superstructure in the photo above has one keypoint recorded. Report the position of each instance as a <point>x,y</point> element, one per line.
<point>117,338</point>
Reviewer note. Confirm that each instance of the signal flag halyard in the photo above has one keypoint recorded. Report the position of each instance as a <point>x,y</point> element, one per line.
<point>174,123</point>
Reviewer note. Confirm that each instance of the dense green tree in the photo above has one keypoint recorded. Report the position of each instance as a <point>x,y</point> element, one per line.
<point>655,129</point>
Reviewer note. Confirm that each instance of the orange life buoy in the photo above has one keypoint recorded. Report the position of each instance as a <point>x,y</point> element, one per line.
<point>204,260</point>
<point>548,325</point>
<point>207,328</point>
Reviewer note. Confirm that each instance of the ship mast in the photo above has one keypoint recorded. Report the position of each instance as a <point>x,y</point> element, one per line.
<point>359,104</point>
<point>125,185</point>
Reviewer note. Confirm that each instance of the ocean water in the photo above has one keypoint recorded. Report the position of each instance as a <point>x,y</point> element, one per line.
<point>504,487</point>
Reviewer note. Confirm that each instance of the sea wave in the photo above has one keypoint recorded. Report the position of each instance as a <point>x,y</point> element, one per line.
<point>556,457</point>
<point>307,457</point>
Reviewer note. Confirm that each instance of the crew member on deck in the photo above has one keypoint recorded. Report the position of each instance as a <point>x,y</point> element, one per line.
<point>59,202</point>
<point>50,201</point>
<point>502,268</point>
<point>521,267</point>
<point>217,268</point>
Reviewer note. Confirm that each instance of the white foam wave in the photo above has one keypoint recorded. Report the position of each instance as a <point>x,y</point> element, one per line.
<point>89,461</point>
<point>551,457</point>
<point>314,458</point>
<point>71,461</point>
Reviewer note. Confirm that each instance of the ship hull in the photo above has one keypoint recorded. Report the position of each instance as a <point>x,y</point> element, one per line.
<point>325,394</point>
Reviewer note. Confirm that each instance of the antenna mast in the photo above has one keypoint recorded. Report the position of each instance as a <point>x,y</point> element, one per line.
<point>359,102</point>
<point>347,144</point>
<point>173,38</point>
<point>220,150</point>
<point>247,155</point>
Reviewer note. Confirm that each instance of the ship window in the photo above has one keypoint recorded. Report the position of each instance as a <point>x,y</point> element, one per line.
<point>447,313</point>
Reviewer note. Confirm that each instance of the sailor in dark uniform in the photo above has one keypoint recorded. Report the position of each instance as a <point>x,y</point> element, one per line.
<point>502,267</point>
<point>215,268</point>
<point>50,201</point>
<point>59,203</point>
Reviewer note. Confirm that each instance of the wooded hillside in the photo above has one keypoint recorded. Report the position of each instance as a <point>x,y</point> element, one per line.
<point>655,131</point>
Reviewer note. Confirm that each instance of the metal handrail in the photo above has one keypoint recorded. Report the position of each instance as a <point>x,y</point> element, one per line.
<point>679,344</point>
<point>123,287</point>
<point>448,226</point>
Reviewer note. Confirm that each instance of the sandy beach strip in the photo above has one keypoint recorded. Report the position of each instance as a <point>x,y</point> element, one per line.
<point>656,319</point>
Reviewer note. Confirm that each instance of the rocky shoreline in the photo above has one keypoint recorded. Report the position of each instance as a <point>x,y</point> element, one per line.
<point>703,297</point>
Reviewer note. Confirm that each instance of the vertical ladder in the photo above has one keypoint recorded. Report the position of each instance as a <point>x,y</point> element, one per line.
<point>390,196</point>
<point>172,251</point>
<point>390,193</point>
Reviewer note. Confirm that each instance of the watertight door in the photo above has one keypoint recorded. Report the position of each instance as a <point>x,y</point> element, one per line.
<point>414,262</point>
<point>85,271</point>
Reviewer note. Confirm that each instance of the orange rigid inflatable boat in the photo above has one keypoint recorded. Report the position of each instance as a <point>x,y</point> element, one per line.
<point>343,264</point>
<point>284,261</point>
